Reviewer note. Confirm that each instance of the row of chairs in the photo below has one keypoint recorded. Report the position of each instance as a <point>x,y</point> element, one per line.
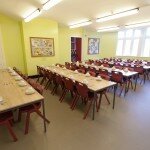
<point>114,75</point>
<point>7,118</point>
<point>142,73</point>
<point>78,90</point>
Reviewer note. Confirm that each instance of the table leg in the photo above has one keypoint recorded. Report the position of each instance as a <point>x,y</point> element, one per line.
<point>94,101</point>
<point>136,77</point>
<point>44,121</point>
<point>114,98</point>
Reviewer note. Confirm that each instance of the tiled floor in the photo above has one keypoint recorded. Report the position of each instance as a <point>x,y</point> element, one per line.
<point>125,128</point>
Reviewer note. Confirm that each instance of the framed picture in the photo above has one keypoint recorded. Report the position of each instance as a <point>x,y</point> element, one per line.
<point>42,47</point>
<point>93,46</point>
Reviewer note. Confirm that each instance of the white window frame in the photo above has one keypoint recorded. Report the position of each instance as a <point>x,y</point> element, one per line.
<point>141,45</point>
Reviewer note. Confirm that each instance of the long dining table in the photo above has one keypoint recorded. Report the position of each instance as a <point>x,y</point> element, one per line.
<point>126,74</point>
<point>92,83</point>
<point>13,96</point>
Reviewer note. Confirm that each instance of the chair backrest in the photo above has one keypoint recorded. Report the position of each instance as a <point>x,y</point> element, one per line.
<point>39,88</point>
<point>31,82</point>
<point>60,65</point>
<point>15,69</point>
<point>93,69</point>
<point>103,72</point>
<point>91,61</point>
<point>105,77</point>
<point>58,79</point>
<point>97,63</point>
<point>67,65</point>
<point>82,89</point>
<point>139,69</point>
<point>69,84</point>
<point>117,76</point>
<point>81,71</point>
<point>39,70</point>
<point>118,67</point>
<point>105,65</point>
<point>25,77</point>
<point>50,75</point>
<point>82,67</point>
<point>73,66</point>
<point>93,74</point>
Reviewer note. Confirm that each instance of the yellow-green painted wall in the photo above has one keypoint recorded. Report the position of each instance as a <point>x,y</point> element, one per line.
<point>89,34</point>
<point>65,35</point>
<point>109,45</point>
<point>16,42</point>
<point>12,44</point>
<point>39,28</point>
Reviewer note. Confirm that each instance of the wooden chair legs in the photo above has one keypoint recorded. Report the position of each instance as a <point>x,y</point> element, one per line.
<point>88,109</point>
<point>27,123</point>
<point>28,119</point>
<point>8,125</point>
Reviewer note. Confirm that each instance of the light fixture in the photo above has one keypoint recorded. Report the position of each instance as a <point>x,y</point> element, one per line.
<point>81,24</point>
<point>107,29</point>
<point>32,15</point>
<point>50,4</point>
<point>118,15</point>
<point>142,24</point>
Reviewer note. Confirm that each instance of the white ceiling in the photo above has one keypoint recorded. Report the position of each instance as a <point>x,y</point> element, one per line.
<point>72,11</point>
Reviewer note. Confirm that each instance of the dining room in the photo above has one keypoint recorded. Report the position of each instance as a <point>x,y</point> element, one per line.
<point>74,74</point>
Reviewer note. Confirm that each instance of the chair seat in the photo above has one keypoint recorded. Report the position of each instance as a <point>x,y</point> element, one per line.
<point>30,107</point>
<point>6,116</point>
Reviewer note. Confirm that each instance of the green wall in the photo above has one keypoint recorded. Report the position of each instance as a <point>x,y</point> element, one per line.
<point>39,28</point>
<point>11,38</point>
<point>16,42</point>
<point>109,46</point>
<point>65,34</point>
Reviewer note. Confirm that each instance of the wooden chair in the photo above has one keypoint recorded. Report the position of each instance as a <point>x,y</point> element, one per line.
<point>6,119</point>
<point>93,69</point>
<point>67,65</point>
<point>93,74</point>
<point>141,72</point>
<point>69,86</point>
<point>58,81</point>
<point>73,67</point>
<point>103,92</point>
<point>86,96</point>
<point>33,107</point>
<point>103,72</point>
<point>49,76</point>
<point>118,78</point>
<point>39,73</point>
<point>81,71</point>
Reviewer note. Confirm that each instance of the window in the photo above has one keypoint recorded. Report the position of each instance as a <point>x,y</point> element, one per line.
<point>134,42</point>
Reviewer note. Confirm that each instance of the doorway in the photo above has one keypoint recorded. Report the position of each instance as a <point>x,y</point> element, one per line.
<point>76,45</point>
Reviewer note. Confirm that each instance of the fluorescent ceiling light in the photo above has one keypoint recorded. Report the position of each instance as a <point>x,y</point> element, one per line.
<point>142,24</point>
<point>86,23</point>
<point>50,4</point>
<point>118,15</point>
<point>107,29</point>
<point>32,15</point>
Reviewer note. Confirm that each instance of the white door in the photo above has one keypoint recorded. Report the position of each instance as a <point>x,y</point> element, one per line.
<point>2,57</point>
